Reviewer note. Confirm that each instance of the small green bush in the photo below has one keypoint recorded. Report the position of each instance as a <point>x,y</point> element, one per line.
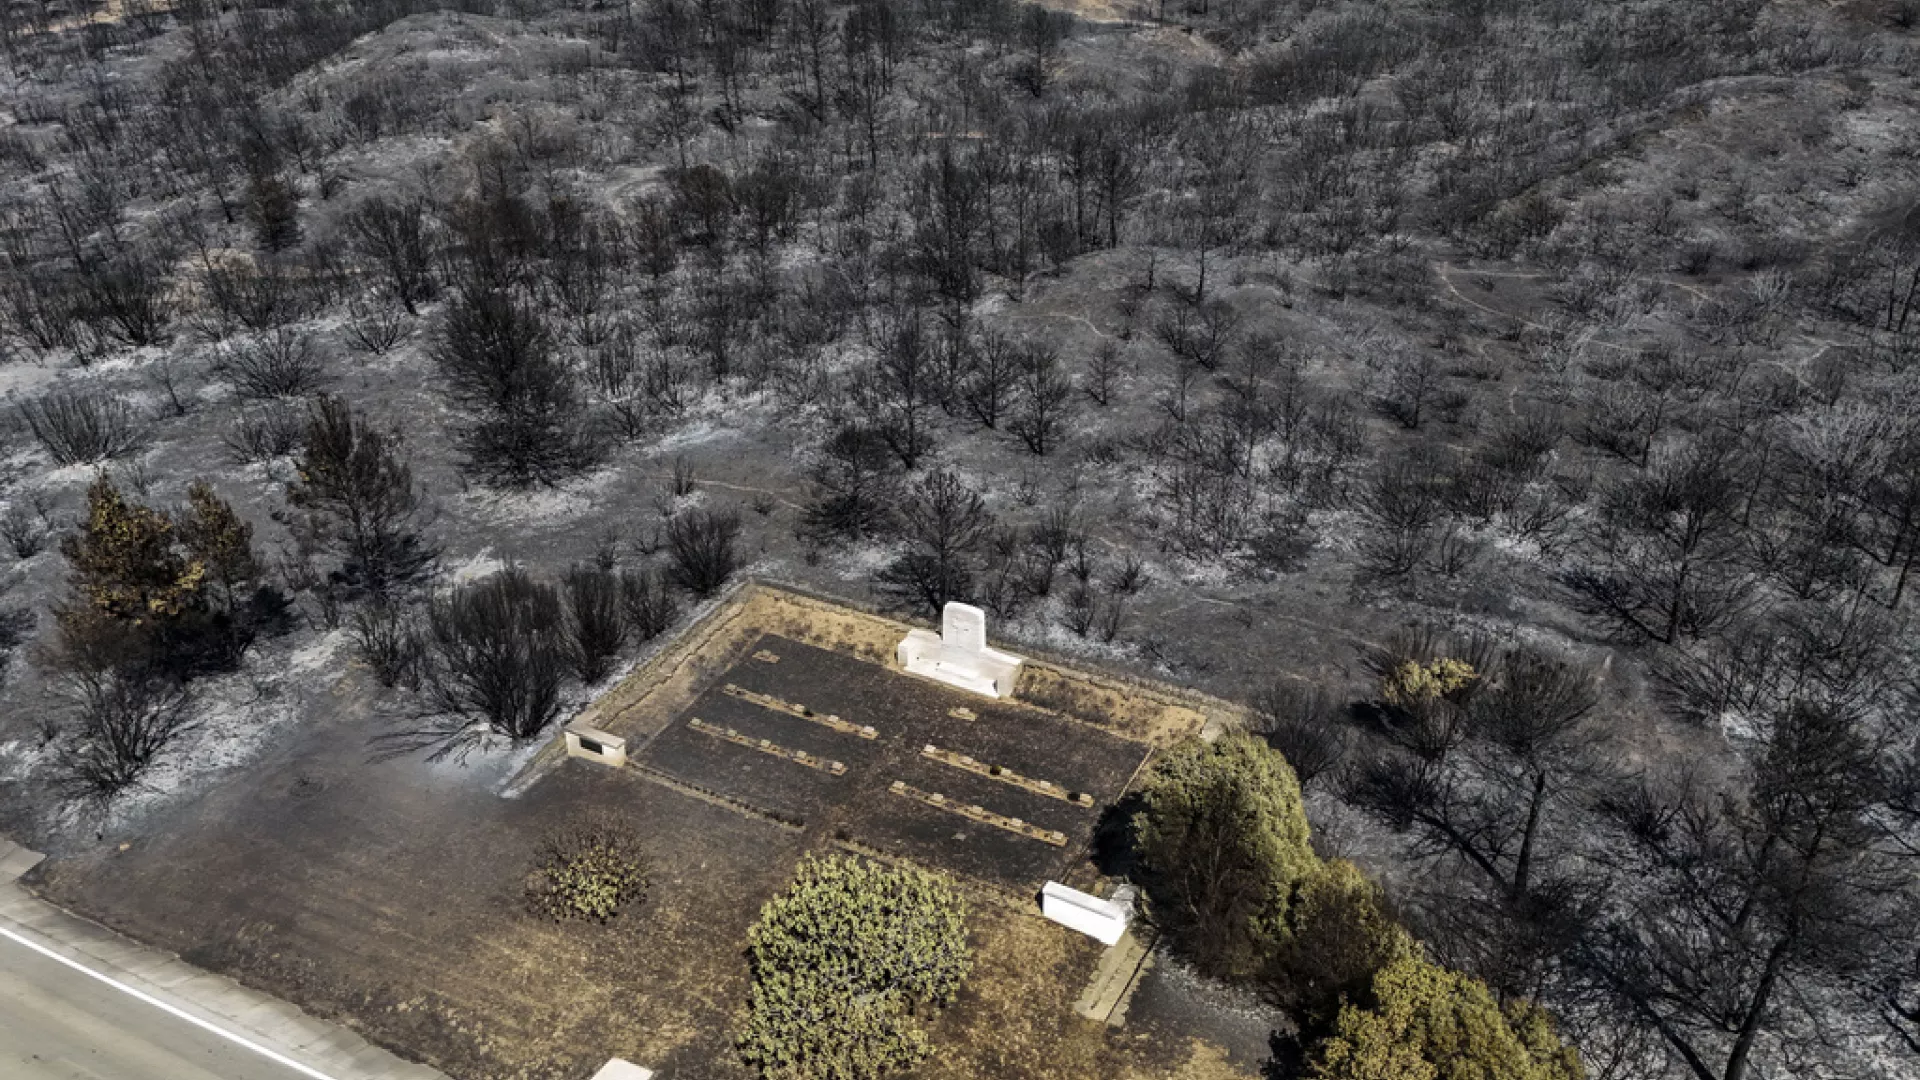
<point>591,870</point>
<point>1342,934</point>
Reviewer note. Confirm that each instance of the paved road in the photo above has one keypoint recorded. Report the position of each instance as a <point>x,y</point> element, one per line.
<point>59,1024</point>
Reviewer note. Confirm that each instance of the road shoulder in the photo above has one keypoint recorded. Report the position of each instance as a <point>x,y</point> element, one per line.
<point>165,982</point>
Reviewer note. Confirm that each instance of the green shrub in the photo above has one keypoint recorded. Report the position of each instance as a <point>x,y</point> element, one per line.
<point>1342,936</point>
<point>1423,1022</point>
<point>842,963</point>
<point>591,869</point>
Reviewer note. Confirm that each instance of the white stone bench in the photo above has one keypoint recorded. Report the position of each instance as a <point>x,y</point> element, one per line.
<point>1102,920</point>
<point>595,745</point>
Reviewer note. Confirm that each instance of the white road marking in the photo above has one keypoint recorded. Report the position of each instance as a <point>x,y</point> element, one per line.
<point>241,1040</point>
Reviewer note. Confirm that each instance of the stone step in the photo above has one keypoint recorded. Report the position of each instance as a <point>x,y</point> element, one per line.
<point>1105,998</point>
<point>1118,1017</point>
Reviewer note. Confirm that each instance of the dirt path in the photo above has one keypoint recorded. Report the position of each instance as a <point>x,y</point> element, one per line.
<point>722,484</point>
<point>1444,270</point>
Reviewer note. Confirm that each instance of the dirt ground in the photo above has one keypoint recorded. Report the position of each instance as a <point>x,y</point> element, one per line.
<point>387,894</point>
<point>1003,1026</point>
<point>376,896</point>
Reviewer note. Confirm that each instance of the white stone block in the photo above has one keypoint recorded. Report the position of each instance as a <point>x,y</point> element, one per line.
<point>618,1069</point>
<point>595,745</point>
<point>1102,920</point>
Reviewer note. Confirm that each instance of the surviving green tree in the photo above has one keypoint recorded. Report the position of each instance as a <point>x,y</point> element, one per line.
<point>1423,1022</point>
<point>1222,837</point>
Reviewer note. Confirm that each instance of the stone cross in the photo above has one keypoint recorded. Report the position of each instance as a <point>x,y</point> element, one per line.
<point>963,628</point>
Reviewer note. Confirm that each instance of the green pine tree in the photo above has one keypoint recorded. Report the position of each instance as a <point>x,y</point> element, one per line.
<point>1222,836</point>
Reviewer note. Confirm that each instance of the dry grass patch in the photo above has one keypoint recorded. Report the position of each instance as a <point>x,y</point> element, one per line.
<point>1130,710</point>
<point>1015,1021</point>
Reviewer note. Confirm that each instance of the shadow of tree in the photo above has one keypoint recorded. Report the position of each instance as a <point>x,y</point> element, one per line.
<point>1113,841</point>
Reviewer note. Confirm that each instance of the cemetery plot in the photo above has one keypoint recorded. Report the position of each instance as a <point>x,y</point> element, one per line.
<point>736,768</point>
<point>944,834</point>
<point>947,836</point>
<point>1029,744</point>
<point>1008,793</point>
<point>976,812</point>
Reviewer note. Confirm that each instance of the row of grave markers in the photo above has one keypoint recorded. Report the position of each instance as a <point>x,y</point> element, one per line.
<point>768,746</point>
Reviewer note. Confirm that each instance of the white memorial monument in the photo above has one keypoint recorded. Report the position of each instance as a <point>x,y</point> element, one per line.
<point>958,655</point>
<point>1102,920</point>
